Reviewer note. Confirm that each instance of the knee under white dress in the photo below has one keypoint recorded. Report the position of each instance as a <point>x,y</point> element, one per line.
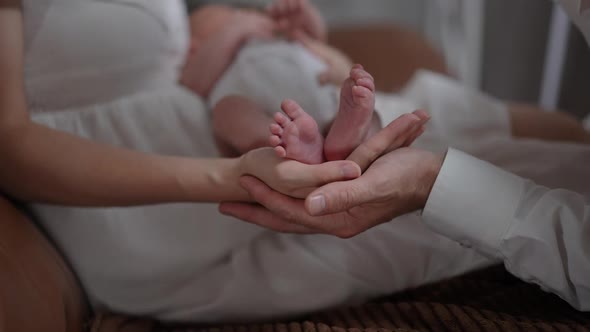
<point>107,70</point>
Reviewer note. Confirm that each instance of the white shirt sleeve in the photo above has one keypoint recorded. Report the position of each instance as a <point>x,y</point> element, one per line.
<point>541,234</point>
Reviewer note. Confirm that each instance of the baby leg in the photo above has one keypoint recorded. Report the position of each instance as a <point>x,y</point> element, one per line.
<point>529,121</point>
<point>296,135</point>
<point>355,117</point>
<point>240,125</point>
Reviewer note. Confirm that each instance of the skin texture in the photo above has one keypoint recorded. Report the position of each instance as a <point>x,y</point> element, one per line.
<point>295,135</point>
<point>352,124</point>
<point>397,180</point>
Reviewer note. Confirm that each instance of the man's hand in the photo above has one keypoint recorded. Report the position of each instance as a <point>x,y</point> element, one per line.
<point>395,184</point>
<point>298,15</point>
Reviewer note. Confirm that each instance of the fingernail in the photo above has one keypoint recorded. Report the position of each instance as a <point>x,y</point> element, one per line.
<point>317,204</point>
<point>350,171</point>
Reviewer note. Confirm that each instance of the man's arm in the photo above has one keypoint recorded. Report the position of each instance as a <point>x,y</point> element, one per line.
<point>542,235</point>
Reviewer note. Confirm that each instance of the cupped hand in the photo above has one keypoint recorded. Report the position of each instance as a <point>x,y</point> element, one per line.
<point>400,133</point>
<point>293,178</point>
<point>395,184</point>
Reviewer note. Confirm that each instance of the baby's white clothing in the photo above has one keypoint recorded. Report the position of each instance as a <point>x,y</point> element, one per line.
<point>269,72</point>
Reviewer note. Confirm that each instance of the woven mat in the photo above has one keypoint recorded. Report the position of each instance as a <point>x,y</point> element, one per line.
<point>487,300</point>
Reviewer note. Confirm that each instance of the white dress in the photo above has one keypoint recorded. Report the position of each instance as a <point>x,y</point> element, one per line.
<point>107,70</point>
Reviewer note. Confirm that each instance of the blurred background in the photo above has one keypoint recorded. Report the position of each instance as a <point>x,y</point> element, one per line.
<point>520,50</point>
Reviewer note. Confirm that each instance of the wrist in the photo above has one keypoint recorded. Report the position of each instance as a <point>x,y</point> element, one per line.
<point>210,180</point>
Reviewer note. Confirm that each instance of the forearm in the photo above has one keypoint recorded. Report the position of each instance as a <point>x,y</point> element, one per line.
<point>41,164</point>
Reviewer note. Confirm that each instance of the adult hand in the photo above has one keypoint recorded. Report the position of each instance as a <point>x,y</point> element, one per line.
<point>338,63</point>
<point>293,178</point>
<point>401,132</point>
<point>397,183</point>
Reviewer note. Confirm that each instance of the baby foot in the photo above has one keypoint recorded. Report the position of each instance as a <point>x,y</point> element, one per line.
<point>353,121</point>
<point>296,135</point>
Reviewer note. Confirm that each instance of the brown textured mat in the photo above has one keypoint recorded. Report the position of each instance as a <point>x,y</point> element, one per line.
<point>487,300</point>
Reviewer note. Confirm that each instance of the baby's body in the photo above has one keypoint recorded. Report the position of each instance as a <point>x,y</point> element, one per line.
<point>244,108</point>
<point>266,72</point>
<point>259,72</point>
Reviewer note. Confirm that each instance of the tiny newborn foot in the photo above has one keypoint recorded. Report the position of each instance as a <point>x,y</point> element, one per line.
<point>296,135</point>
<point>354,118</point>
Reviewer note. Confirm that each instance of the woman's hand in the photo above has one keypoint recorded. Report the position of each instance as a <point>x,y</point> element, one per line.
<point>398,180</point>
<point>293,178</point>
<point>338,63</point>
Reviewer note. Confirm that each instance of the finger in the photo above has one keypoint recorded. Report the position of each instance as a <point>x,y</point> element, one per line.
<point>425,117</point>
<point>290,209</point>
<point>391,137</point>
<point>414,136</point>
<point>422,115</point>
<point>314,176</point>
<point>337,197</point>
<point>260,216</point>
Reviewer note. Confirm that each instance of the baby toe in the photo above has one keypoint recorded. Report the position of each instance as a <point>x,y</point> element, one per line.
<point>281,152</point>
<point>281,119</point>
<point>274,140</point>
<point>275,129</point>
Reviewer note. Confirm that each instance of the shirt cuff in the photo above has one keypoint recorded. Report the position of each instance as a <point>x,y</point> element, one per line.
<point>473,202</point>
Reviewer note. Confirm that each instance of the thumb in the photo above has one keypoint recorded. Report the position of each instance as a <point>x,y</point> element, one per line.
<point>337,197</point>
<point>320,174</point>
